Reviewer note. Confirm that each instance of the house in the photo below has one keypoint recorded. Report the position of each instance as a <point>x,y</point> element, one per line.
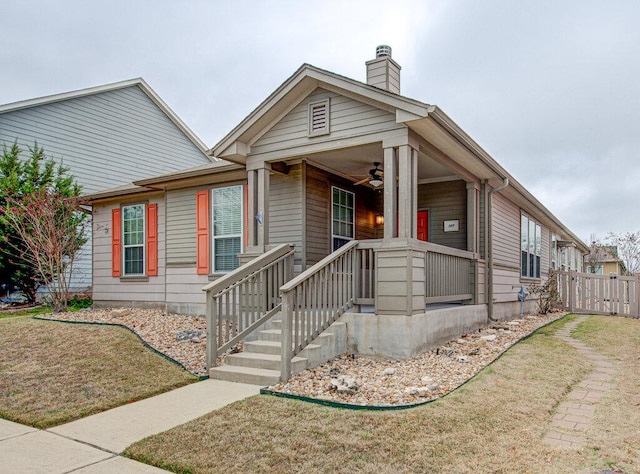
<point>107,135</point>
<point>336,201</point>
<point>604,260</point>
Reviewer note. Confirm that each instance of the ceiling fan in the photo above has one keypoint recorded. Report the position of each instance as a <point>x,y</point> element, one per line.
<point>375,176</point>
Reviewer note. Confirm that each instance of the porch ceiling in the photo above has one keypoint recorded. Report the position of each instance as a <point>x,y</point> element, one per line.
<point>355,162</point>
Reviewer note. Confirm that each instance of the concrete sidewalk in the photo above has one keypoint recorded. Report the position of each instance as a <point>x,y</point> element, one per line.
<point>93,444</point>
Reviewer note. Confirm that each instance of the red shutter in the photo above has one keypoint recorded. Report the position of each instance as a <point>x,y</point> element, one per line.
<point>202,233</point>
<point>152,240</point>
<point>116,242</point>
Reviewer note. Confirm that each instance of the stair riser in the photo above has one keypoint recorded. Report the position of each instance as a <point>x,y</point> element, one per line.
<point>243,378</point>
<point>297,364</point>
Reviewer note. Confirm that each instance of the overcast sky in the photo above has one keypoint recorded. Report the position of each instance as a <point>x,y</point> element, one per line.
<point>551,89</point>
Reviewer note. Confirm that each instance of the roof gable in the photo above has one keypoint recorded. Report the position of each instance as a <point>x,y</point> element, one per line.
<point>235,145</point>
<point>137,82</point>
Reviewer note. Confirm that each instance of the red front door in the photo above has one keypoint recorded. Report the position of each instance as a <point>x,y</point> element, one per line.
<point>423,225</point>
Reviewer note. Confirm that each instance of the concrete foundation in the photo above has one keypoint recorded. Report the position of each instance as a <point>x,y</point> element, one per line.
<point>408,336</point>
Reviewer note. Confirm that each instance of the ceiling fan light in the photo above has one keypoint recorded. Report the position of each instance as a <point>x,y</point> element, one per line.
<point>375,181</point>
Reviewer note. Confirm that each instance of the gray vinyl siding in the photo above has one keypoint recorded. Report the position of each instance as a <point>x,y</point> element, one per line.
<point>181,227</point>
<point>506,232</point>
<point>285,211</point>
<point>445,201</point>
<point>348,117</point>
<point>116,290</point>
<point>318,212</point>
<point>107,139</point>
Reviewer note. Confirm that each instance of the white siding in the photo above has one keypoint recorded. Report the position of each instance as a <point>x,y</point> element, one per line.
<point>347,118</point>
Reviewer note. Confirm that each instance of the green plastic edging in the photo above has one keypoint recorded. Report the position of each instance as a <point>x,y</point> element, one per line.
<point>144,343</point>
<point>349,406</point>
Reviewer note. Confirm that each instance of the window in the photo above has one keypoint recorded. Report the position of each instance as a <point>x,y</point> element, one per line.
<point>530,248</point>
<point>227,227</point>
<point>342,217</point>
<point>596,270</point>
<point>319,118</point>
<point>133,239</point>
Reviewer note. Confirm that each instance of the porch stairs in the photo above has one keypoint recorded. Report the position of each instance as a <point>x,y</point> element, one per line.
<point>259,363</point>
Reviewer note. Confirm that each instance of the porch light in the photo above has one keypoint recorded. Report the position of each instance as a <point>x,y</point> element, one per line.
<point>375,181</point>
<point>379,219</point>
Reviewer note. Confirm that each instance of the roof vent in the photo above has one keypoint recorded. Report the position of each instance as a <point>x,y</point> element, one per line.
<point>383,51</point>
<point>384,72</point>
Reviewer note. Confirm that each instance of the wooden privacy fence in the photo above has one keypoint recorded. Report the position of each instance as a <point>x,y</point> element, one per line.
<point>588,293</point>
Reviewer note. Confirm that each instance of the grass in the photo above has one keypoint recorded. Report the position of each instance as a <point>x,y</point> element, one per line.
<point>495,423</point>
<point>37,310</point>
<point>52,373</point>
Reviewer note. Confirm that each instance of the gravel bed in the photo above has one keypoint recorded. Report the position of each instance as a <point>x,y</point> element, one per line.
<point>369,381</point>
<point>352,379</point>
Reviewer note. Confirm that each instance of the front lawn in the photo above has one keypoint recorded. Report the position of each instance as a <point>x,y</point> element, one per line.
<point>52,372</point>
<point>494,424</point>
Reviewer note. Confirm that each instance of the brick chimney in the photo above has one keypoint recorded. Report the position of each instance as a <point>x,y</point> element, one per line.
<point>384,72</point>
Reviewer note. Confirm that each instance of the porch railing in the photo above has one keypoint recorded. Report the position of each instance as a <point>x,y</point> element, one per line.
<point>244,299</point>
<point>315,299</point>
<point>449,274</point>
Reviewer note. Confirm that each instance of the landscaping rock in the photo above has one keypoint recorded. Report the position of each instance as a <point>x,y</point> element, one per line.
<point>489,338</point>
<point>388,371</point>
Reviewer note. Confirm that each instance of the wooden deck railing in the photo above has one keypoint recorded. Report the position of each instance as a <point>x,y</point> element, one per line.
<point>449,274</point>
<point>244,299</point>
<point>313,300</point>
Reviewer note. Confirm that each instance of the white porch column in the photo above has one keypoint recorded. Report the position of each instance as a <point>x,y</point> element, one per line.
<point>252,192</point>
<point>390,196</point>
<point>472,217</point>
<point>407,192</point>
<point>262,214</point>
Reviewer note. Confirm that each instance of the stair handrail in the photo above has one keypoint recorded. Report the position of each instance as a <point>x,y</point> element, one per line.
<point>228,289</point>
<point>297,334</point>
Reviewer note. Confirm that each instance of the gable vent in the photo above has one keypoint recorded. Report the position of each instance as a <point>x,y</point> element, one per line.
<point>319,118</point>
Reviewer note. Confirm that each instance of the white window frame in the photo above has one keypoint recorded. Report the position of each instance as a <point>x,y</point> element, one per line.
<point>314,107</point>
<point>144,240</point>
<point>554,252</point>
<point>335,235</point>
<point>532,246</point>
<point>215,237</point>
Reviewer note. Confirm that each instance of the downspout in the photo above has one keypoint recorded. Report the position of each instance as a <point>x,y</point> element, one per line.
<point>504,184</point>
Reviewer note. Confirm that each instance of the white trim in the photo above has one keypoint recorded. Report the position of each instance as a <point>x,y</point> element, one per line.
<point>143,245</point>
<point>353,217</point>
<point>240,235</point>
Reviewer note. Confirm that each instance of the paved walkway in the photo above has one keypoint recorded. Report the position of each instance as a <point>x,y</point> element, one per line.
<point>93,444</point>
<point>576,410</point>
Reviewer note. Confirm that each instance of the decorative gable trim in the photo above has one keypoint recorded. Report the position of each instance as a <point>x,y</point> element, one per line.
<point>319,115</point>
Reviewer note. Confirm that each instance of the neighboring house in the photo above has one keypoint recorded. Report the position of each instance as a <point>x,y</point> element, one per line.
<point>402,226</point>
<point>108,135</point>
<point>604,260</point>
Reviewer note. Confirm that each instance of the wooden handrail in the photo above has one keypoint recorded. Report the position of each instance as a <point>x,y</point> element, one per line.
<point>309,272</point>
<point>247,269</point>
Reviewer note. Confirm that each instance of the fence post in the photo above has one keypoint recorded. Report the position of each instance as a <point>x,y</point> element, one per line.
<point>572,290</point>
<point>286,350</point>
<point>212,331</point>
<point>635,307</point>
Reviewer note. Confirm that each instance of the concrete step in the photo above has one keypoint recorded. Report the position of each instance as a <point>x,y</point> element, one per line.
<point>264,361</point>
<point>248,375</point>
<point>271,347</point>
<point>273,335</point>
